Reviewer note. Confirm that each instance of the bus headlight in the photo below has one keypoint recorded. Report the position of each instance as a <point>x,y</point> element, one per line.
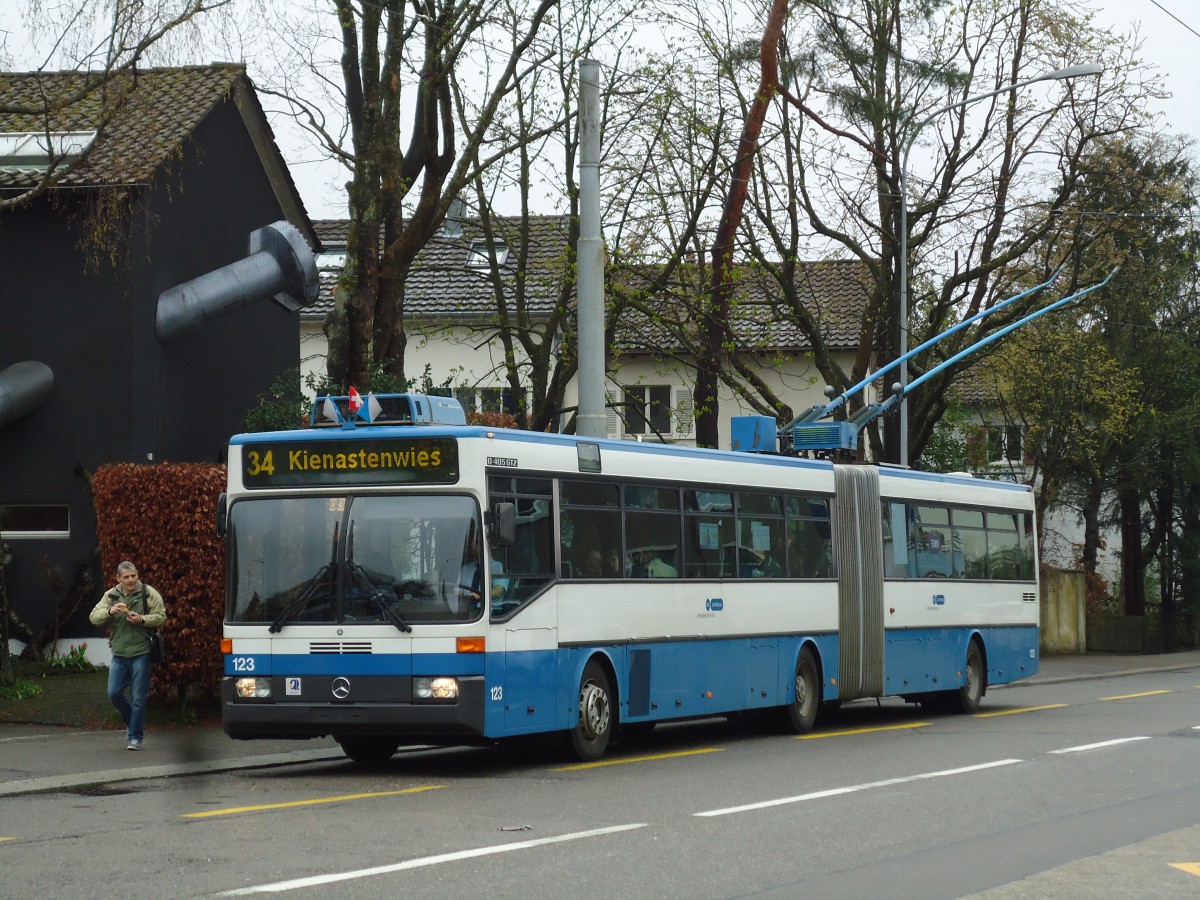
<point>442,688</point>
<point>252,687</point>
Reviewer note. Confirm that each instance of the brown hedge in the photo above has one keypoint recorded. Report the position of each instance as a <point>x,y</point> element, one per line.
<point>163,518</point>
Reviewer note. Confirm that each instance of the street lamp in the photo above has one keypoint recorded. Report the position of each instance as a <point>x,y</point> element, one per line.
<point>1078,71</point>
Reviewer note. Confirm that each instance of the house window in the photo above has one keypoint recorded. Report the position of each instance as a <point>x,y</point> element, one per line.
<point>477,256</point>
<point>648,409</point>
<point>488,399</point>
<point>1004,443</point>
<point>35,521</point>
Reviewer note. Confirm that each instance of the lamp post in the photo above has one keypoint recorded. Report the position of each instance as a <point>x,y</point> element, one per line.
<point>1057,75</point>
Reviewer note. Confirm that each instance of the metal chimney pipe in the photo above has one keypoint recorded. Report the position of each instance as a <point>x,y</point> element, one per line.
<point>24,386</point>
<point>280,265</point>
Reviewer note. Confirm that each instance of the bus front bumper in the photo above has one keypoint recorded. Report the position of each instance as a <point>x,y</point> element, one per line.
<point>462,721</point>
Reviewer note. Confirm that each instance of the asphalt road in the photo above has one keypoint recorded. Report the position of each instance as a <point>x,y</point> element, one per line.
<point>1072,789</point>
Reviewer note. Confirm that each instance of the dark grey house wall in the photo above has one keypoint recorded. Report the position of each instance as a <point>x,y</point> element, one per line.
<point>118,394</point>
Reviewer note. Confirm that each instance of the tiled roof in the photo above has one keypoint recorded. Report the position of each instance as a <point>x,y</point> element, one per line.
<point>834,292</point>
<point>332,232</point>
<point>442,288</point>
<point>142,118</point>
<point>442,285</point>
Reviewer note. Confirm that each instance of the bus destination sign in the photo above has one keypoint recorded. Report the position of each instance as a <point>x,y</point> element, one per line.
<point>377,461</point>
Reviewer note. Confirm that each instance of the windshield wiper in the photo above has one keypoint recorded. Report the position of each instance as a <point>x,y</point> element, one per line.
<point>375,592</point>
<point>311,587</point>
<point>374,589</point>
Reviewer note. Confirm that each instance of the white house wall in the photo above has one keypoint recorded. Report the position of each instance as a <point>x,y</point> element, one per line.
<point>457,354</point>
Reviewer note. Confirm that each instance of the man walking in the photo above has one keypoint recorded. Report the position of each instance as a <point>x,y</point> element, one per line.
<point>131,610</point>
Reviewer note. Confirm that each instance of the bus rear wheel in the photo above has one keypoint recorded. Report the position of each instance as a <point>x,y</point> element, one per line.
<point>802,711</point>
<point>591,734</point>
<point>368,749</point>
<point>966,699</point>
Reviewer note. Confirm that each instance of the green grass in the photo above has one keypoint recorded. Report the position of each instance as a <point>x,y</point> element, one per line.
<point>49,693</point>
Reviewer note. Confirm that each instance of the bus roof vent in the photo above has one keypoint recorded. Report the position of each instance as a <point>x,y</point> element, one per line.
<point>355,410</point>
<point>837,435</point>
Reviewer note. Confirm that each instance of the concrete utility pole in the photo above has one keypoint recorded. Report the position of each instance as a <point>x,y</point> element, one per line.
<point>591,418</point>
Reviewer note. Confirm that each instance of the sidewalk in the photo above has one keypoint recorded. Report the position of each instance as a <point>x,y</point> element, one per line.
<point>1080,667</point>
<point>45,758</point>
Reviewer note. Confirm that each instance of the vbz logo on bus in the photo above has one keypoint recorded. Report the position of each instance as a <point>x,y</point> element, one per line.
<point>714,604</point>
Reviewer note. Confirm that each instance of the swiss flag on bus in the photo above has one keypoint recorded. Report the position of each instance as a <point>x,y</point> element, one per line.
<point>356,400</point>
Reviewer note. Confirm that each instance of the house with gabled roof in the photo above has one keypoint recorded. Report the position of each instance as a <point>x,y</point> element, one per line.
<point>452,316</point>
<point>130,183</point>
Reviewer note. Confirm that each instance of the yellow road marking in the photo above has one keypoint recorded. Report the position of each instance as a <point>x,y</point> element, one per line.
<point>294,803</point>
<point>1131,696</point>
<point>7,838</point>
<point>828,734</point>
<point>1190,868</point>
<point>636,759</point>
<point>1013,712</point>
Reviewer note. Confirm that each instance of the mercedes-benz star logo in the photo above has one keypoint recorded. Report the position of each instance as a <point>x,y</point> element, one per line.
<point>341,687</point>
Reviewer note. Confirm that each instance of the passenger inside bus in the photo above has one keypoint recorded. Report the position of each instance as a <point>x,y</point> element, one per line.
<point>614,568</point>
<point>592,564</point>
<point>653,566</point>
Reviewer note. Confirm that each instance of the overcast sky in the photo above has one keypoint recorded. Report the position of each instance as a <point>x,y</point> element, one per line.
<point>1170,30</point>
<point>1165,27</point>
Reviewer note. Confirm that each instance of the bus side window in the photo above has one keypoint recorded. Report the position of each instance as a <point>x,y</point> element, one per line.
<point>810,538</point>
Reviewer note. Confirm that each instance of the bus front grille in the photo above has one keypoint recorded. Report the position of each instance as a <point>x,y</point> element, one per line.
<point>339,647</point>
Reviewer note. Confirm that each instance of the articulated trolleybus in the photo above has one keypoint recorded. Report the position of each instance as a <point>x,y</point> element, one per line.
<point>418,580</point>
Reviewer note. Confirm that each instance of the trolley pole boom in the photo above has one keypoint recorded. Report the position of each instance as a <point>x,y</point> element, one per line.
<point>810,433</point>
<point>819,412</point>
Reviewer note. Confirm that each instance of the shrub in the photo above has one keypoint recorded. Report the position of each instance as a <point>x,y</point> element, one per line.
<point>163,518</point>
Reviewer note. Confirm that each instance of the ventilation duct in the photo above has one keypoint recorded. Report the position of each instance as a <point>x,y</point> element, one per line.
<point>24,386</point>
<point>280,265</point>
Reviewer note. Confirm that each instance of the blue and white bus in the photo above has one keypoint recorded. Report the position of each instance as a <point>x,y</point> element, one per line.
<point>419,580</point>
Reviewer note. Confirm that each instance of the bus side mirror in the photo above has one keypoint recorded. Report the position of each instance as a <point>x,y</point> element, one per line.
<point>222,514</point>
<point>504,525</point>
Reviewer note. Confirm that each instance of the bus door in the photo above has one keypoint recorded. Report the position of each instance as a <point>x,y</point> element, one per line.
<point>858,545</point>
<point>530,679</point>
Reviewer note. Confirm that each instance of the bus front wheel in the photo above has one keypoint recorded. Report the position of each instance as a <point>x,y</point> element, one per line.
<point>369,750</point>
<point>802,711</point>
<point>591,734</point>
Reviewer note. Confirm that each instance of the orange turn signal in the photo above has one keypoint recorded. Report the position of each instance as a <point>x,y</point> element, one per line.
<point>470,645</point>
<point>226,646</point>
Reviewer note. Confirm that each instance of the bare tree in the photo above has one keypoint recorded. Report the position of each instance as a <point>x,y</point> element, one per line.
<point>992,179</point>
<point>407,142</point>
<point>654,204</point>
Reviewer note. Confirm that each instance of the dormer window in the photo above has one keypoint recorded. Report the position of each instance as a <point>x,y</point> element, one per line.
<point>28,150</point>
<point>477,256</point>
<point>331,259</point>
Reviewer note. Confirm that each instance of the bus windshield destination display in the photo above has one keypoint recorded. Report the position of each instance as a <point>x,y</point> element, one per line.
<point>363,461</point>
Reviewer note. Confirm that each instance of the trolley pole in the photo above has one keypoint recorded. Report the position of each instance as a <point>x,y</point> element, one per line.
<point>590,419</point>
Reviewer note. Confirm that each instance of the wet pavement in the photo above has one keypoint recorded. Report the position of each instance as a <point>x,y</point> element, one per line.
<point>41,758</point>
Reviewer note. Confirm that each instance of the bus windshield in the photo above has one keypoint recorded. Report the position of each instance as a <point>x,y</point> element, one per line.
<point>361,560</point>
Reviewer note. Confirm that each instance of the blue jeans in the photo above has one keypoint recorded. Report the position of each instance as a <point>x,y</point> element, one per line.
<point>133,672</point>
